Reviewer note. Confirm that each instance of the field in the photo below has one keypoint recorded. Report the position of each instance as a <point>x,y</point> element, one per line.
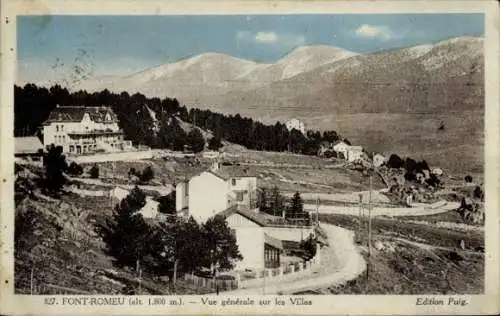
<point>414,135</point>
<point>414,257</point>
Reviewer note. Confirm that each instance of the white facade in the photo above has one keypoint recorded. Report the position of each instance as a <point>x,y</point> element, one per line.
<point>296,124</point>
<point>354,153</point>
<point>378,160</point>
<point>341,147</point>
<point>84,129</point>
<point>250,241</point>
<point>208,193</point>
<point>207,196</point>
<point>243,190</point>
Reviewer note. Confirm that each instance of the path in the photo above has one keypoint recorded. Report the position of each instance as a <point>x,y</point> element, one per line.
<point>351,197</point>
<point>418,210</point>
<point>340,262</point>
<point>163,190</point>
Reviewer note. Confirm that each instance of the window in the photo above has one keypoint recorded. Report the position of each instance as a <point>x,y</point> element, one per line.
<point>57,128</point>
<point>233,182</point>
<point>62,128</point>
<point>239,196</point>
<point>71,148</point>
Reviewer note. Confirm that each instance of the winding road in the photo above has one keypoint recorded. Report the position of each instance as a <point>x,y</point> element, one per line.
<point>340,262</point>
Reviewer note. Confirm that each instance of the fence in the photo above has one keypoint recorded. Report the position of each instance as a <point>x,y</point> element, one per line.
<point>284,273</point>
<point>210,283</point>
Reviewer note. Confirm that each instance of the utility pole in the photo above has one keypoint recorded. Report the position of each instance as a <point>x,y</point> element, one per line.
<point>317,210</point>
<point>370,218</point>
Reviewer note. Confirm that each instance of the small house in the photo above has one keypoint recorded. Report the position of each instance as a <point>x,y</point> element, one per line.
<point>341,147</point>
<point>258,249</point>
<point>214,190</point>
<point>29,147</point>
<point>378,159</point>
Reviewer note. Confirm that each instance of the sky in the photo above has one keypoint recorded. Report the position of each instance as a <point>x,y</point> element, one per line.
<point>66,49</point>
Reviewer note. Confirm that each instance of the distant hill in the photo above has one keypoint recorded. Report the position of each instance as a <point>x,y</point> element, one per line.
<point>193,79</point>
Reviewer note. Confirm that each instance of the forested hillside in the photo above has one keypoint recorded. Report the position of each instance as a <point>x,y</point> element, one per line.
<point>148,121</point>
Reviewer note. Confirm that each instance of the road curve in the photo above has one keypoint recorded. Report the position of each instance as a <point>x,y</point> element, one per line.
<point>340,262</point>
<point>418,210</point>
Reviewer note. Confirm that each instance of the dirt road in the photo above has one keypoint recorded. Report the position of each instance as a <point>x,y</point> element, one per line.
<point>340,262</point>
<point>418,210</point>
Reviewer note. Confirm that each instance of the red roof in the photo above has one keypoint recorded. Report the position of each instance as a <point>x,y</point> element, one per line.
<point>76,113</point>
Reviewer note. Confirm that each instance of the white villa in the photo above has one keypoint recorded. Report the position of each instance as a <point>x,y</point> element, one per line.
<point>349,152</point>
<point>378,160</point>
<point>296,124</point>
<point>354,153</point>
<point>214,191</point>
<point>82,130</point>
<point>341,147</point>
<point>258,249</point>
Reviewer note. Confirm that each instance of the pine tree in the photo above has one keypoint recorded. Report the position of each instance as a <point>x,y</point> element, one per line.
<point>215,143</point>
<point>55,165</point>
<point>262,202</point>
<point>221,243</point>
<point>195,140</point>
<point>276,202</point>
<point>126,234</point>
<point>296,207</point>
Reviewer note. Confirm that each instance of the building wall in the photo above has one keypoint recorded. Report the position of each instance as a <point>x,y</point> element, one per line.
<point>181,198</point>
<point>353,155</point>
<point>378,160</point>
<point>208,195</point>
<point>295,124</point>
<point>341,147</point>
<point>285,233</point>
<point>57,133</point>
<point>248,184</point>
<point>250,241</point>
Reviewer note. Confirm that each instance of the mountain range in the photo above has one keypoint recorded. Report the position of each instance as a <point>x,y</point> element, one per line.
<point>315,80</point>
<point>390,101</point>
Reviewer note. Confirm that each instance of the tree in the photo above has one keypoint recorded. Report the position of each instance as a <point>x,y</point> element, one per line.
<point>276,202</point>
<point>147,174</point>
<point>221,243</point>
<point>75,169</point>
<point>395,162</point>
<point>126,234</point>
<point>214,143</point>
<point>177,247</point>
<point>297,207</point>
<point>195,140</point>
<point>262,200</point>
<point>55,165</point>
<point>309,247</point>
<point>94,172</point>
<point>172,135</point>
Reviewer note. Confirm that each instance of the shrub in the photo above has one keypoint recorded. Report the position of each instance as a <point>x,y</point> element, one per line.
<point>395,162</point>
<point>94,172</point>
<point>132,172</point>
<point>147,174</point>
<point>214,143</point>
<point>75,169</point>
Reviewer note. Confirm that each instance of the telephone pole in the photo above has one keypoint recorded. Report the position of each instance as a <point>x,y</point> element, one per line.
<point>370,217</point>
<point>317,210</point>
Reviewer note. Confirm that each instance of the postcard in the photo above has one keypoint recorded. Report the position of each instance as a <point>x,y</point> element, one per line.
<point>249,157</point>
